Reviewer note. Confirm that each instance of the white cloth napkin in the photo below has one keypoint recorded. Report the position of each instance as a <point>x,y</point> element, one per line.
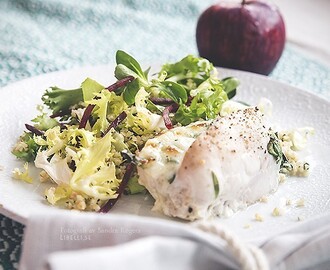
<point>307,246</point>
<point>69,240</point>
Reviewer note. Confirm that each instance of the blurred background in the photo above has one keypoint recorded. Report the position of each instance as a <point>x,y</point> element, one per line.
<point>41,36</point>
<point>308,26</point>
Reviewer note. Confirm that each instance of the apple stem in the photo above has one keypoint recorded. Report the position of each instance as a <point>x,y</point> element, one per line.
<point>243,2</point>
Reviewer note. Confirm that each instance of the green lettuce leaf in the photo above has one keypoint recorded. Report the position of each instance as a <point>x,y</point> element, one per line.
<point>95,176</point>
<point>44,122</point>
<point>108,107</point>
<point>26,148</point>
<point>60,100</point>
<point>123,58</point>
<point>190,67</point>
<point>90,88</point>
<point>174,91</point>
<point>205,105</point>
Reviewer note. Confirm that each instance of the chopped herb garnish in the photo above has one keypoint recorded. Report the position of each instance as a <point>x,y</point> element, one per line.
<point>215,184</point>
<point>171,179</point>
<point>274,148</point>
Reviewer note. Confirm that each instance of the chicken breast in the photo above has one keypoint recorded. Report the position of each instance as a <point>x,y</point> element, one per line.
<point>161,157</point>
<point>224,169</point>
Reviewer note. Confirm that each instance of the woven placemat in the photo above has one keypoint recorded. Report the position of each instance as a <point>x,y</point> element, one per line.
<point>41,36</point>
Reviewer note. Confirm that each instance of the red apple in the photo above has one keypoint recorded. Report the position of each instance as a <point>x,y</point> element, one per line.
<point>248,36</point>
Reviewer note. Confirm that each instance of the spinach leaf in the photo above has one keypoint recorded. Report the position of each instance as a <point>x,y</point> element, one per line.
<point>230,85</point>
<point>121,72</point>
<point>274,148</point>
<point>128,61</point>
<point>173,91</point>
<point>130,91</point>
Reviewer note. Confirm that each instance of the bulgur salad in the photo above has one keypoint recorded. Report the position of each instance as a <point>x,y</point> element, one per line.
<point>176,134</point>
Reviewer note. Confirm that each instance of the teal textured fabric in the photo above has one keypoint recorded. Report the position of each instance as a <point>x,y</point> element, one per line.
<point>40,36</point>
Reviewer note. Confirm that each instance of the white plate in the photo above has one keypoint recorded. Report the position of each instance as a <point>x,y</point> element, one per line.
<point>292,108</point>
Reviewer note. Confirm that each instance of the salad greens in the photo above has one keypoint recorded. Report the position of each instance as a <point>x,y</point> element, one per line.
<point>86,141</point>
<point>61,100</point>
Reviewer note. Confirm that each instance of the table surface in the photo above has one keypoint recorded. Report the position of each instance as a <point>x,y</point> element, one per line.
<point>39,36</point>
<point>307,25</point>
